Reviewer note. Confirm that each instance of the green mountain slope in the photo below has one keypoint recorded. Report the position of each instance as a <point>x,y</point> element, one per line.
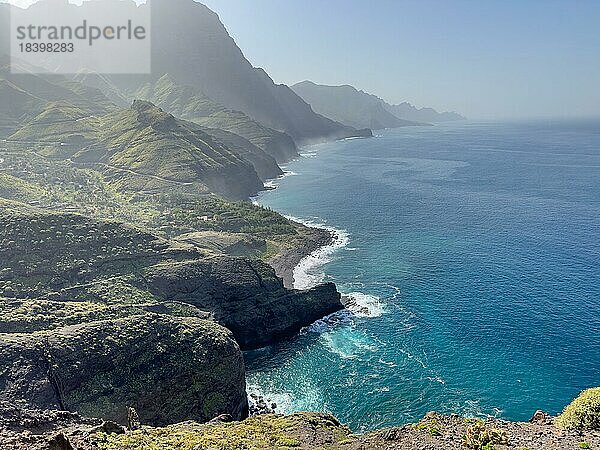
<point>58,88</point>
<point>141,148</point>
<point>265,165</point>
<point>25,96</point>
<point>16,105</point>
<point>191,104</point>
<point>144,148</point>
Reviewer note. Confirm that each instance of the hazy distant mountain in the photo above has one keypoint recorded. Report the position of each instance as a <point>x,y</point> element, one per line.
<point>24,96</point>
<point>355,108</point>
<point>349,106</point>
<point>191,44</point>
<point>407,111</point>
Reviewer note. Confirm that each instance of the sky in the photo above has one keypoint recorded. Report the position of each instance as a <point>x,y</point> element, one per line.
<point>491,59</point>
<point>486,59</point>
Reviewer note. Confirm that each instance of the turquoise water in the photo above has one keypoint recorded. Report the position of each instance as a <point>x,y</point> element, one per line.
<point>475,248</point>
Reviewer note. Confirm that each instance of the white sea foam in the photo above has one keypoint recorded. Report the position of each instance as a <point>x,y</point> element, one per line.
<point>343,317</point>
<point>307,397</point>
<point>437,379</point>
<point>387,363</point>
<point>307,273</point>
<point>365,305</point>
<point>282,400</point>
<point>353,138</point>
<point>273,183</point>
<point>348,343</point>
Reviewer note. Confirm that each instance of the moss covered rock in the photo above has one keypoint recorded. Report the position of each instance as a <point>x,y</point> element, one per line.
<point>302,430</point>
<point>168,368</point>
<point>583,413</point>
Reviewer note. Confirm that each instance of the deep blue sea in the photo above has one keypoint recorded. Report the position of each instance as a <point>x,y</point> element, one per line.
<point>475,248</point>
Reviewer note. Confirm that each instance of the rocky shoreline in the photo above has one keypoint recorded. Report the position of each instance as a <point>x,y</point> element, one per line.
<point>313,239</point>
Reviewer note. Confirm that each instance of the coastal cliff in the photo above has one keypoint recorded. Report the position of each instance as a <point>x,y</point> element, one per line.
<point>169,368</point>
<point>97,315</point>
<point>114,264</point>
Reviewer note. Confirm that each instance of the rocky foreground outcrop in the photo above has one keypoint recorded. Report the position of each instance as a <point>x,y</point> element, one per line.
<point>51,430</point>
<point>168,368</point>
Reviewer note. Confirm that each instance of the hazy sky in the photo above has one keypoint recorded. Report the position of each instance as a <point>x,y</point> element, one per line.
<point>482,58</point>
<point>504,58</point>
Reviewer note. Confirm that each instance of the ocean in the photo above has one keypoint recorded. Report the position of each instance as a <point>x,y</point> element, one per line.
<point>472,252</point>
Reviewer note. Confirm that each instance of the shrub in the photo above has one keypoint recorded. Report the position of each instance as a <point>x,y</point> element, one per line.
<point>583,413</point>
<point>480,438</point>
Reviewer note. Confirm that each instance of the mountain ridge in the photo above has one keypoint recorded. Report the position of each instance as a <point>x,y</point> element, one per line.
<point>349,105</point>
<point>354,107</point>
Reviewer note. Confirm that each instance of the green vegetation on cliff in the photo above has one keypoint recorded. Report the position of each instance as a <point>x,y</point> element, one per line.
<point>264,432</point>
<point>306,431</point>
<point>583,413</point>
<point>191,104</point>
<point>169,368</point>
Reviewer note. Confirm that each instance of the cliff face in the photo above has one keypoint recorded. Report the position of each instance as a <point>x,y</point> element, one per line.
<point>243,295</point>
<point>265,165</point>
<point>169,369</point>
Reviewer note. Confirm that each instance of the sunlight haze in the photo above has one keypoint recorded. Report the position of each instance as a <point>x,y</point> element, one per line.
<point>482,59</point>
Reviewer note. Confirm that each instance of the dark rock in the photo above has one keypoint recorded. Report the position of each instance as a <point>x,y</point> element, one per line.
<point>169,369</point>
<point>260,405</point>
<point>541,418</point>
<point>109,427</point>
<point>59,442</point>
<point>245,296</point>
<point>133,419</point>
<point>223,418</point>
